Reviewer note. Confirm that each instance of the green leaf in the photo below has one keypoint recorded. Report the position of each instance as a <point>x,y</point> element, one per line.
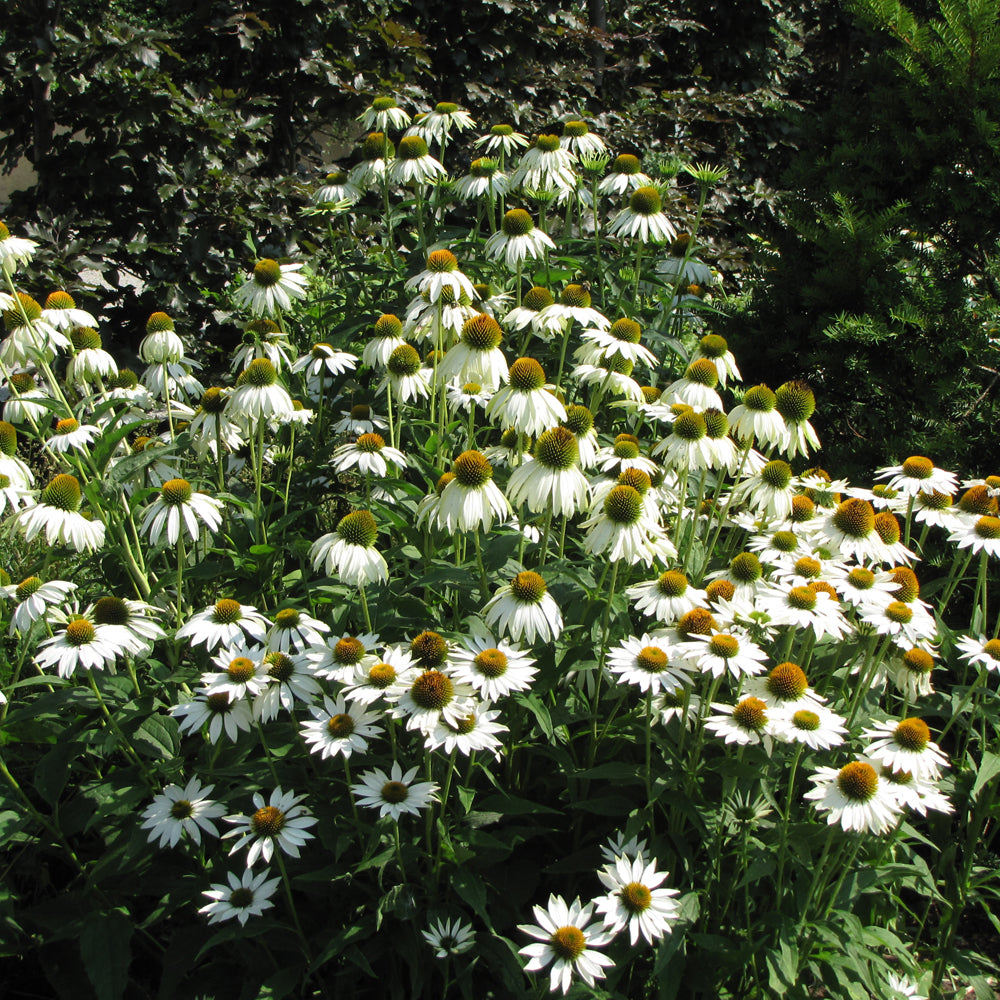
<point>989,768</point>
<point>159,737</point>
<point>53,771</point>
<point>106,953</point>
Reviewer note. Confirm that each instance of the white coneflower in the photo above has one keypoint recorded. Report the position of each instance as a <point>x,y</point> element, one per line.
<point>625,453</point>
<point>502,139</point>
<point>21,406</point>
<point>33,597</point>
<point>668,597</point>
<point>359,419</point>
<point>240,673</point>
<point>58,514</point>
<point>70,435</point>
<point>524,609</point>
<point>529,314</point>
<point>612,376</point>
<point>244,897</point>
<point>435,125</point>
<point>770,491</point>
<point>484,180</point>
<point>696,387</point>
<point>643,219</point>
<point>471,500</point>
<point>226,622</point>
<point>90,362</point>
<point>211,426</point>
<point>395,793</point>
<point>981,535</point>
<point>219,711</point>
<point>279,821</point>
<point>370,454</point>
<point>383,114</point>
<point>580,141</point>
<point>161,345</point>
<point>14,250</point>
<point>720,653</point>
<point>61,311</point>
<point>323,362</point>
<point>851,530</point>
<point>918,475</point>
<point>271,287</point>
<point>371,171</point>
<point>757,418</point>
<point>477,356</point>
<point>494,667</point>
<point>405,376</point>
<point>796,404</point>
<point>177,811</point>
<point>635,899</point>
<point>438,323</point>
<point>517,239</point>
<point>575,304</point>
<point>814,606</point>
<point>620,340</point>
<point>745,724</point>
<point>340,728</point>
<point>649,662</point>
<point>814,727</point>
<point>544,167</point>
<point>441,272</point>
<point>350,551</point>
<point>565,935</point>
<point>449,937</point>
<point>29,339</point>
<point>387,335</point>
<point>554,478</point>
<point>625,176</point>
<point>580,423</point>
<point>258,394</point>
<point>716,349</point>
<point>414,164</point>
<point>178,503</point>
<point>905,746</point>
<point>80,644</point>
<point>855,797</point>
<point>688,445</point>
<point>336,188</point>
<point>619,530</point>
<point>526,403</point>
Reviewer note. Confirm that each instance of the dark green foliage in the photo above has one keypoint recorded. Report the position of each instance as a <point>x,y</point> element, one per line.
<point>882,290</point>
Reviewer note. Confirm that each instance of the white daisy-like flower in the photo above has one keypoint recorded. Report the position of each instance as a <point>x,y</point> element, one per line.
<point>649,662</point>
<point>295,631</point>
<point>865,588</point>
<point>340,728</point>
<point>805,607</point>
<point>259,395</point>
<point>529,315</point>
<point>911,672</point>
<point>477,356</point>
<point>908,624</point>
<point>526,403</point>
<point>57,513</point>
<point>435,125</point>
<point>635,899</point>
<point>449,937</point>
<point>388,677</point>
<point>757,418</point>
<point>904,987</point>
<point>553,479</point>
<point>464,397</point>
<point>620,340</point>
<point>816,727</point>
<point>176,811</point>
<point>242,898</point>
<point>524,610</point>
<point>719,654</point>
<point>387,335</point>
<point>432,696</point>
<point>472,500</point>
<point>667,597</point>
<point>545,167</point>
<point>337,188</point>
<point>624,177</point>
<point>33,598</point>
<point>80,644</point>
<point>14,250</point>
<point>405,375</point>
<point>350,551</point>
<point>383,114</point>
<point>218,711</point>
<point>225,623</point>
<point>395,793</point>
<point>277,822</point>
<point>359,419</point>
<point>440,273</point>
<point>566,937</point>
<point>981,535</point>
<point>370,454</point>
<point>324,361</point>
<point>785,688</point>
<point>292,682</point>
<point>980,651</point>
<point>922,795</point>
<point>475,732</point>
<point>918,475</point>
<point>682,705</point>
<point>620,529</point>
<point>517,240</point>
<point>241,673</point>
<point>134,621</point>
<point>493,667</point>
<point>178,505</point>
<point>338,659</point>
<point>905,746</point>
<point>484,179</point>
<point>413,163</point>
<point>643,218</point>
<point>271,287</point>
<point>770,491</point>
<point>502,139</point>
<point>855,797</point>
<point>745,724</point>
